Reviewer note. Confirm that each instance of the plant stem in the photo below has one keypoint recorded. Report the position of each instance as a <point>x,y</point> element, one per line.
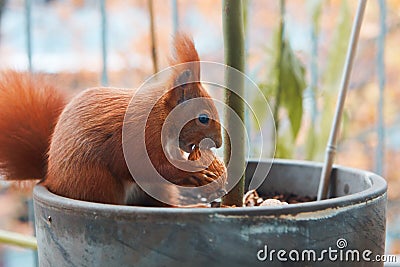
<point>153,37</point>
<point>234,57</point>
<point>11,238</point>
<point>281,43</point>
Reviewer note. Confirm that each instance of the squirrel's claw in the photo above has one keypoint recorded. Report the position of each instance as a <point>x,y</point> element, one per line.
<point>209,175</point>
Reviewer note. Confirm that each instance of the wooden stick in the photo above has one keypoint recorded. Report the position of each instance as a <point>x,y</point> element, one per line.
<point>331,147</point>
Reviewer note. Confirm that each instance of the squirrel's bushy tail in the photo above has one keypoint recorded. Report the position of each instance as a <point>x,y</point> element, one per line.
<point>29,110</point>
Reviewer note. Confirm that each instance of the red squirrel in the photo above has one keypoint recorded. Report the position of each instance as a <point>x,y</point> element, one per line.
<point>75,148</point>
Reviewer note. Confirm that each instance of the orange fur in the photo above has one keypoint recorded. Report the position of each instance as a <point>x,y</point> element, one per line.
<point>29,109</point>
<point>85,158</point>
<point>184,50</point>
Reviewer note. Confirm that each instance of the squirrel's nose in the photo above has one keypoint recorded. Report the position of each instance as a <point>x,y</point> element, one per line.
<point>218,141</point>
<point>211,142</point>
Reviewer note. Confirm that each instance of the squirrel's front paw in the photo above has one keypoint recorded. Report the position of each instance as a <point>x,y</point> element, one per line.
<point>201,168</point>
<point>215,171</point>
<point>201,178</point>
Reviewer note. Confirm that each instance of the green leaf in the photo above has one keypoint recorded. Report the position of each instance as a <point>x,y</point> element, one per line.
<point>285,145</point>
<point>286,82</point>
<point>285,85</point>
<point>258,105</point>
<point>292,84</point>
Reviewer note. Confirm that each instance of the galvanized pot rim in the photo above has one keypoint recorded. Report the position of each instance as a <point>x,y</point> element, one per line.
<point>378,189</point>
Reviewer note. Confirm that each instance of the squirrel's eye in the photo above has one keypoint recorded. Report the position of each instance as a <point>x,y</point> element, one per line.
<point>203,118</point>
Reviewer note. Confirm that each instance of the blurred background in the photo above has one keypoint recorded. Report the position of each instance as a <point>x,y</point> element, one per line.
<point>298,46</point>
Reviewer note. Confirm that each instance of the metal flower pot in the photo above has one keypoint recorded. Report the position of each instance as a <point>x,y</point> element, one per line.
<point>351,221</point>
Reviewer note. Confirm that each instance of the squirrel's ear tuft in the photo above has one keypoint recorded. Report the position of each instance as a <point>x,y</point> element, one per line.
<point>184,49</point>
<point>186,69</point>
<point>185,53</point>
